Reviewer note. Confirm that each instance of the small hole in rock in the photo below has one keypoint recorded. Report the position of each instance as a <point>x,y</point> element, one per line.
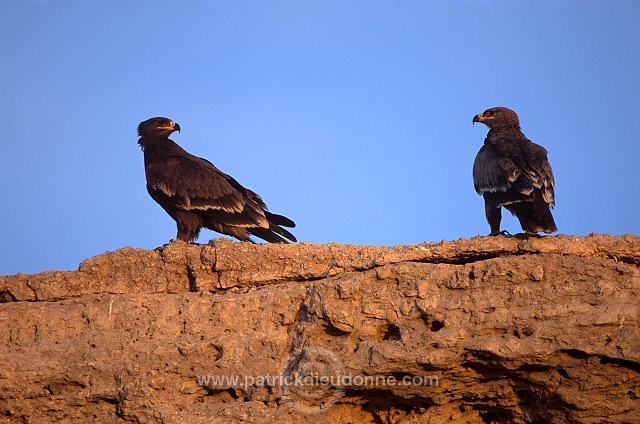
<point>392,333</point>
<point>437,326</point>
<point>334,332</point>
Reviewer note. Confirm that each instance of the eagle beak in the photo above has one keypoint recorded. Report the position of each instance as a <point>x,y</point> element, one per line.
<point>172,126</point>
<point>477,118</point>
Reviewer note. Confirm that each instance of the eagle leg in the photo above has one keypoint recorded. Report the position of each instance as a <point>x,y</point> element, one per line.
<point>494,216</point>
<point>188,227</point>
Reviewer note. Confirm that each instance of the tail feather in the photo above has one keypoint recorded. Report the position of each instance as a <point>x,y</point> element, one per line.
<point>241,225</point>
<point>275,233</point>
<point>267,235</point>
<point>532,219</point>
<point>279,220</point>
<point>282,232</point>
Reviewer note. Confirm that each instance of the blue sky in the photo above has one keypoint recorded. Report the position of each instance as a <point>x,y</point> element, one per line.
<point>351,117</point>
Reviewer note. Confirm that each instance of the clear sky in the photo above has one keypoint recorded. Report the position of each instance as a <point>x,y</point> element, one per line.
<point>353,118</point>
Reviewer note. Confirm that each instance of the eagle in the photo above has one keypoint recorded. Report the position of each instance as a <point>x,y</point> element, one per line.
<point>198,195</point>
<point>512,171</point>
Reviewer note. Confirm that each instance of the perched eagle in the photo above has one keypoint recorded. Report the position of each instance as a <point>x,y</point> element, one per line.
<point>196,194</point>
<point>513,172</point>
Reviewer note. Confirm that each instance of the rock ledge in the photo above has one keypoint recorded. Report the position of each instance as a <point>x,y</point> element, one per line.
<point>480,330</point>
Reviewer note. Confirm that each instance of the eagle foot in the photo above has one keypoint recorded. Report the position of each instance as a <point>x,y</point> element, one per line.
<point>500,233</point>
<point>525,236</point>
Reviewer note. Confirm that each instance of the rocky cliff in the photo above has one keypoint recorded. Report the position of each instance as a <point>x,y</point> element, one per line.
<point>483,330</point>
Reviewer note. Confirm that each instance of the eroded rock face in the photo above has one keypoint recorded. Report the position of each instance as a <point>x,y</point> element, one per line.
<point>480,330</point>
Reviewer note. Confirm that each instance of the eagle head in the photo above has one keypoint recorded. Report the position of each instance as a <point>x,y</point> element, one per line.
<point>157,127</point>
<point>498,117</point>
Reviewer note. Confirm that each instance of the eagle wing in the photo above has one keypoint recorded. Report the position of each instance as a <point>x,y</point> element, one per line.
<point>539,170</point>
<point>522,166</point>
<point>190,183</point>
<point>492,172</point>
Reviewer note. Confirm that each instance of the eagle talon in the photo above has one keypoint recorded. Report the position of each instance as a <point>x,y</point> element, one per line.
<point>160,248</point>
<point>525,236</point>
<point>500,233</point>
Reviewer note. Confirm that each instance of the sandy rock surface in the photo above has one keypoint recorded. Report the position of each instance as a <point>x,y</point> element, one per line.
<point>489,329</point>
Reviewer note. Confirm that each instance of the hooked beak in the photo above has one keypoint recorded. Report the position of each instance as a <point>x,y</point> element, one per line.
<point>173,126</point>
<point>482,118</point>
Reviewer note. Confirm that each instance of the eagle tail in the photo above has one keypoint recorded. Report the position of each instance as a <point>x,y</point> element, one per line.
<point>273,234</point>
<point>534,218</point>
<point>281,231</point>
<point>274,218</point>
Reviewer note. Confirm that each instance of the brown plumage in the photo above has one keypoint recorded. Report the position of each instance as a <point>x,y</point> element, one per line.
<point>196,194</point>
<point>511,171</point>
